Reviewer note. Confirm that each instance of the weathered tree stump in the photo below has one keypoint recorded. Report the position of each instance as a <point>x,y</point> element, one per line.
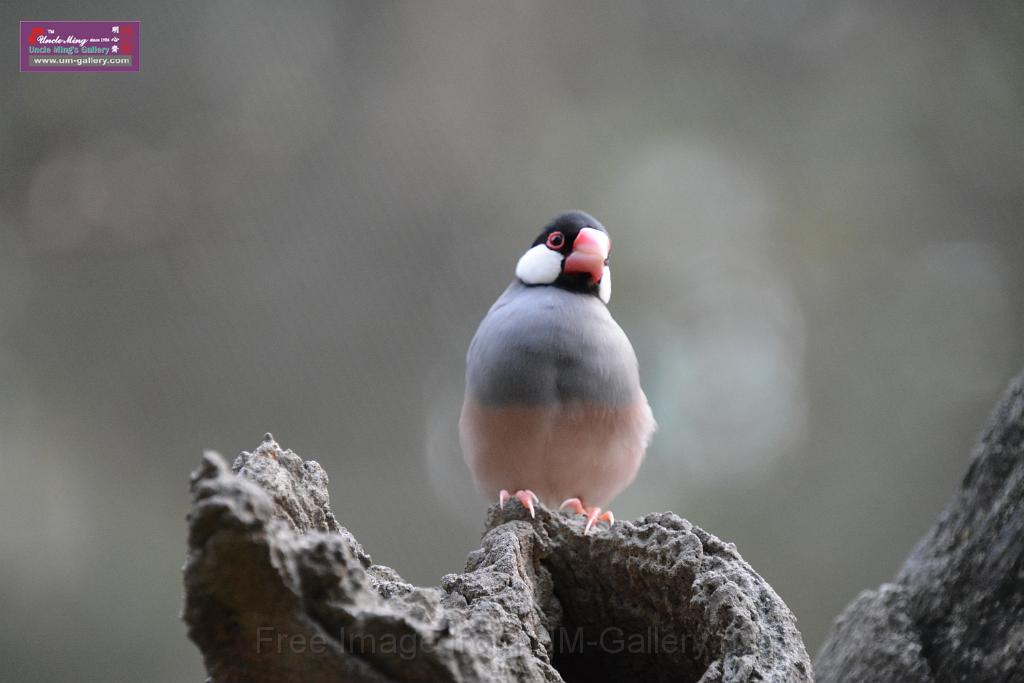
<point>955,611</point>
<point>277,590</point>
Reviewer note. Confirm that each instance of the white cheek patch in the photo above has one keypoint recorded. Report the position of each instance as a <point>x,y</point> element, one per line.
<point>604,289</point>
<point>539,266</point>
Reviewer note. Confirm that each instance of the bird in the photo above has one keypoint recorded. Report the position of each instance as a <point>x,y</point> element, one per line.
<point>553,408</point>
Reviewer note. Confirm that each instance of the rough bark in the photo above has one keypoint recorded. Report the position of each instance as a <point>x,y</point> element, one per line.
<point>955,611</point>
<point>276,590</point>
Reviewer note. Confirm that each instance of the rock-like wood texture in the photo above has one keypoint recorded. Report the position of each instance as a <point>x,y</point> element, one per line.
<point>955,611</point>
<point>277,590</point>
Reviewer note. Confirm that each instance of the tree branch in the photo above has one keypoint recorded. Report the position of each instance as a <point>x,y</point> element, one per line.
<point>955,611</point>
<point>276,590</point>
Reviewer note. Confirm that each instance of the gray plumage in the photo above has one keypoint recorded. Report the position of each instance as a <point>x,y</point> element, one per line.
<point>544,345</point>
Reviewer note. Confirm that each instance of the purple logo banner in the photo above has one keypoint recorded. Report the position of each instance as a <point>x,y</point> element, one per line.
<point>79,45</point>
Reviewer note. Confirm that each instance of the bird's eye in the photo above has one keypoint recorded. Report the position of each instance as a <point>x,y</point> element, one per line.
<point>556,240</point>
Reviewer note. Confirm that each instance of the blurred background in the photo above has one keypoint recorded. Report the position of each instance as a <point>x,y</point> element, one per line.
<point>293,219</point>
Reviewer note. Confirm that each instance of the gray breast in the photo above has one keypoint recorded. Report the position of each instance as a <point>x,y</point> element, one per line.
<point>544,345</point>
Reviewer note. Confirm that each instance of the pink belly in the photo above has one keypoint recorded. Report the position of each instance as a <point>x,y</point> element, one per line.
<point>574,450</point>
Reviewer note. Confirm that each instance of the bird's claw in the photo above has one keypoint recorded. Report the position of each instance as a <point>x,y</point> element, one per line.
<point>575,503</point>
<point>593,514</point>
<point>526,498</point>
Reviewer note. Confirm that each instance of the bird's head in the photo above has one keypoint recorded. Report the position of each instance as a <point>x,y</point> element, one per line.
<point>571,252</point>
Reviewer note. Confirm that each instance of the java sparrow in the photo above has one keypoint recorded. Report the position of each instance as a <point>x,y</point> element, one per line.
<point>553,407</point>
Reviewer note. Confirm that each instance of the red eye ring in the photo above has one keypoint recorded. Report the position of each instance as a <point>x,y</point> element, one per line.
<point>556,240</point>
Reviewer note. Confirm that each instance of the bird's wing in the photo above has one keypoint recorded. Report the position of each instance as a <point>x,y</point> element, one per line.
<point>544,345</point>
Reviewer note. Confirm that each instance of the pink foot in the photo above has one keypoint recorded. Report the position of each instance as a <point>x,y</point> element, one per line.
<point>593,514</point>
<point>526,498</point>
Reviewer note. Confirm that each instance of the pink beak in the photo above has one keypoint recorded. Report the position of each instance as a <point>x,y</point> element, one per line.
<point>589,252</point>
